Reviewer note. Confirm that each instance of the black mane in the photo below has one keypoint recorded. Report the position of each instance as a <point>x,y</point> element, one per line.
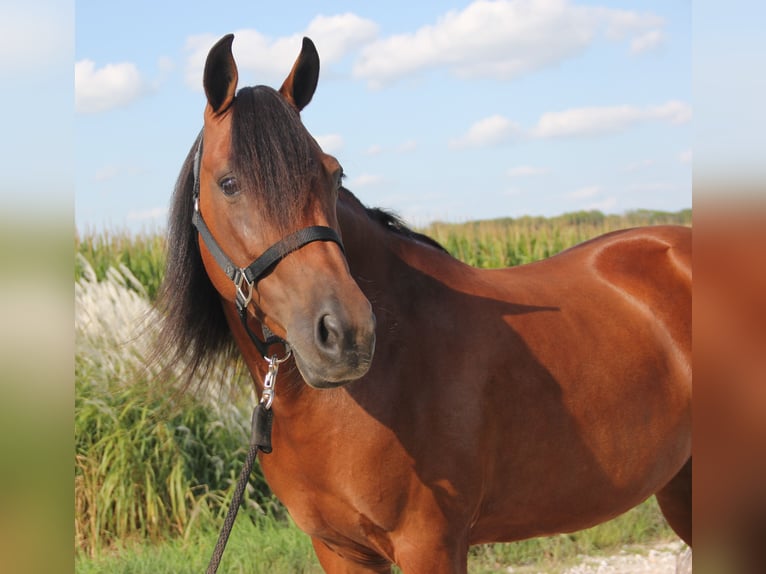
<point>193,331</point>
<point>394,223</point>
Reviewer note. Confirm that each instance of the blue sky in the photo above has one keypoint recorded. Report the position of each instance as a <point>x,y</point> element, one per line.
<point>450,110</point>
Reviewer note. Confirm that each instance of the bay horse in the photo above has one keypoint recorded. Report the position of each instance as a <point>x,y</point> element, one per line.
<point>427,405</point>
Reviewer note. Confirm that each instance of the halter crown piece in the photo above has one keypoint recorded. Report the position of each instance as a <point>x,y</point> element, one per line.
<point>245,278</point>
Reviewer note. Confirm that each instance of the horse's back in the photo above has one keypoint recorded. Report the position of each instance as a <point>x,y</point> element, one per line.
<point>643,272</point>
<point>628,292</point>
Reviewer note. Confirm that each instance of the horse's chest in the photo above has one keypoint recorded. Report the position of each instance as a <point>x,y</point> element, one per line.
<point>328,499</point>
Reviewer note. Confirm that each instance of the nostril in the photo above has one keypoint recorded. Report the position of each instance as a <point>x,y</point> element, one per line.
<point>328,332</point>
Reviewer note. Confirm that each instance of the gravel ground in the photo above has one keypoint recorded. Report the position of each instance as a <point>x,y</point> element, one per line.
<point>670,558</point>
<point>667,558</point>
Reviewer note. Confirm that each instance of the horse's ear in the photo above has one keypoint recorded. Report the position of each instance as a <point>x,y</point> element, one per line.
<point>220,77</point>
<point>300,85</point>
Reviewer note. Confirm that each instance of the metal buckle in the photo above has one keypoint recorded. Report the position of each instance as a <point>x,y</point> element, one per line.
<point>243,299</point>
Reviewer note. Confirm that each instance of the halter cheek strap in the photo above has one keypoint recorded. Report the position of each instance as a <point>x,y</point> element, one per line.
<point>245,278</point>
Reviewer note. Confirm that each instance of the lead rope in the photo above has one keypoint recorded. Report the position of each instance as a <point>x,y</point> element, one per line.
<point>260,439</point>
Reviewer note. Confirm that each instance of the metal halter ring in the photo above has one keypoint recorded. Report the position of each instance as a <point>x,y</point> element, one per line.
<point>267,398</point>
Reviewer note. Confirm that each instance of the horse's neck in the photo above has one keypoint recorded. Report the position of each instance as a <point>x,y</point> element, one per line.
<point>368,250</point>
<point>387,264</point>
<point>376,256</point>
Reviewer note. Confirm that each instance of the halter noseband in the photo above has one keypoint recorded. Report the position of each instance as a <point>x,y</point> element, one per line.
<point>245,278</point>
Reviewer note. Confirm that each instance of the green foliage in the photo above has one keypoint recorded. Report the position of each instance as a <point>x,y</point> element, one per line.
<point>509,242</point>
<point>261,546</point>
<point>142,254</point>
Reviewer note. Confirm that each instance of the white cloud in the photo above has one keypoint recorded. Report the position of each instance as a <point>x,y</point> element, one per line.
<point>365,180</point>
<point>330,143</point>
<point>673,111</point>
<point>646,42</point>
<point>165,64</point>
<point>639,165</point>
<point>600,120</point>
<point>652,187</point>
<point>106,88</point>
<point>402,148</point>
<point>685,156</point>
<point>607,204</point>
<point>337,36</point>
<point>489,131</point>
<point>513,192</point>
<point>112,171</point>
<point>575,122</point>
<point>621,23</point>
<point>526,171</point>
<point>585,121</point>
<point>591,192</point>
<point>584,192</point>
<point>107,173</point>
<point>147,214</point>
<point>498,39</point>
<point>265,60</point>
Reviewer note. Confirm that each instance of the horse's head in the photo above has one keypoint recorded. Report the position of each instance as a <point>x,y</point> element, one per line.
<point>261,179</point>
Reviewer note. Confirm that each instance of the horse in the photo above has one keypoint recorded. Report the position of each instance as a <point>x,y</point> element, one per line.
<point>423,406</point>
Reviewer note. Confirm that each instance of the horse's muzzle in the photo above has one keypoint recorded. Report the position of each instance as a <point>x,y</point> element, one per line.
<point>342,348</point>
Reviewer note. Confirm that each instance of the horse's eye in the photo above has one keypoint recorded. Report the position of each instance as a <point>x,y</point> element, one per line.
<point>340,177</point>
<point>229,186</point>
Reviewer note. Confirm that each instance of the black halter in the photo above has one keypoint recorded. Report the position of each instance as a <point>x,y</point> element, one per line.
<point>245,278</point>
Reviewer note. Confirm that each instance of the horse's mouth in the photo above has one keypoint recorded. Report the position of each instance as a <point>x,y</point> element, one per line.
<point>329,376</point>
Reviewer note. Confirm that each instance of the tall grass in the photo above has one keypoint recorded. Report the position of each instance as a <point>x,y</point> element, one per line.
<point>150,462</point>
